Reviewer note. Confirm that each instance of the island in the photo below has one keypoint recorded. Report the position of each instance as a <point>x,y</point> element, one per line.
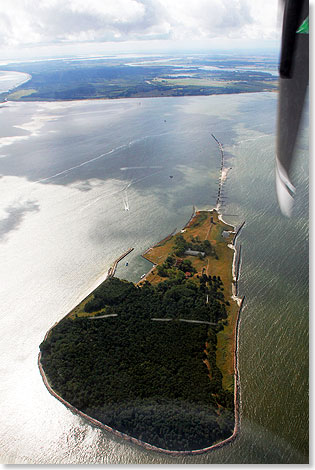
<point>156,362</point>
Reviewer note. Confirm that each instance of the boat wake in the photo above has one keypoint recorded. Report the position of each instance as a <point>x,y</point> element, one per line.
<point>126,201</point>
<point>86,162</point>
<point>139,168</point>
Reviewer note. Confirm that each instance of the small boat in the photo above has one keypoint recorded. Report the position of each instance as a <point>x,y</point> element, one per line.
<point>171,176</point>
<point>143,275</point>
<point>127,263</point>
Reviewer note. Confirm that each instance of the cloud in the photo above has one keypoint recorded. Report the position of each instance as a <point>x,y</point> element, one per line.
<point>63,21</point>
<point>207,19</point>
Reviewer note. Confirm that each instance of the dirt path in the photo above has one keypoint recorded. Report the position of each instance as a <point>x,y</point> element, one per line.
<point>209,230</point>
<point>103,316</point>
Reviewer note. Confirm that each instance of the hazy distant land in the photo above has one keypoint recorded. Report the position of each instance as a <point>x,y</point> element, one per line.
<point>74,79</point>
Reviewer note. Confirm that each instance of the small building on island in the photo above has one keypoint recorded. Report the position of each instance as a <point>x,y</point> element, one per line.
<point>226,233</point>
<point>195,253</point>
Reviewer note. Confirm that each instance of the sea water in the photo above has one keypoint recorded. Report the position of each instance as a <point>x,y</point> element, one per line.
<point>10,80</point>
<point>84,181</point>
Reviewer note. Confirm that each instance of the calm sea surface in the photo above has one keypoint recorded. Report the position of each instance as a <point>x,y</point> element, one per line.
<point>69,170</point>
<point>10,80</point>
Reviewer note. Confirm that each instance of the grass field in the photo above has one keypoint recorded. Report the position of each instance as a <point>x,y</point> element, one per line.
<point>203,82</point>
<point>17,95</point>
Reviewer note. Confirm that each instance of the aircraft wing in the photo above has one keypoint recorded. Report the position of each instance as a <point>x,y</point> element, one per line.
<point>293,82</point>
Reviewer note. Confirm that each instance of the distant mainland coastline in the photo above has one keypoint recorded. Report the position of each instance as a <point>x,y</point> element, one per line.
<point>113,78</point>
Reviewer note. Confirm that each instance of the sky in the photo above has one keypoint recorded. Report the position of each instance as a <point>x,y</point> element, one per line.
<point>48,28</point>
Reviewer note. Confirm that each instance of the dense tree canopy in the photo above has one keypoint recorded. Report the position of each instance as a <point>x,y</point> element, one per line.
<point>155,380</point>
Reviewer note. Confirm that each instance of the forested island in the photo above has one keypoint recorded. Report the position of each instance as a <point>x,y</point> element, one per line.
<point>156,360</point>
<point>112,78</point>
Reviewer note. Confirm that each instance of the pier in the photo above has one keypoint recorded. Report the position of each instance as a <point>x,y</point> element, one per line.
<point>238,268</point>
<point>112,269</point>
<point>237,231</point>
<point>221,179</point>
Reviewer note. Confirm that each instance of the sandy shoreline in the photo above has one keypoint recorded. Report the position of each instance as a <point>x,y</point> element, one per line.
<point>27,77</point>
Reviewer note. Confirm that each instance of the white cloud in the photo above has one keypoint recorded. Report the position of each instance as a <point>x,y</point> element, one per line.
<point>119,11</point>
<point>33,22</point>
<point>207,18</point>
<point>266,25</point>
